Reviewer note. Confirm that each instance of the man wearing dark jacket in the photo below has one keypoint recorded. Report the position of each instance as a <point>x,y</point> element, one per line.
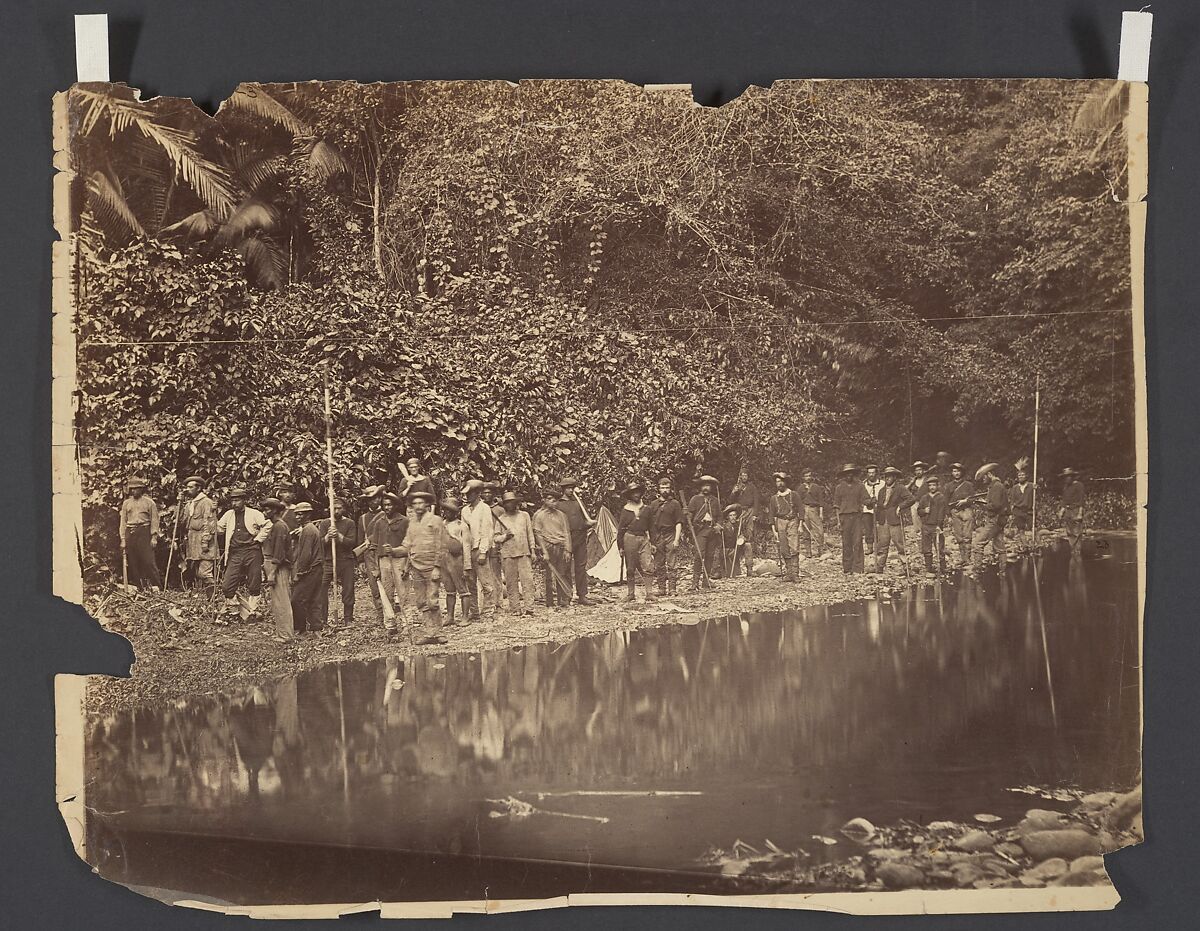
<point>894,501</point>
<point>579,523</point>
<point>308,564</point>
<point>931,512</point>
<point>666,533</point>
<point>815,502</point>
<point>959,496</point>
<point>706,521</point>
<point>342,533</point>
<point>850,497</point>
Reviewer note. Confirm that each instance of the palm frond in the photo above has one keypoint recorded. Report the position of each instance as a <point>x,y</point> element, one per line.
<point>251,216</point>
<point>266,263</point>
<point>253,99</point>
<point>325,161</point>
<point>255,172</point>
<point>199,225</point>
<point>110,208</point>
<point>208,179</point>
<point>1101,111</point>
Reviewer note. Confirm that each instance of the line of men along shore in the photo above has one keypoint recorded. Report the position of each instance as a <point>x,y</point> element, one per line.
<point>486,547</point>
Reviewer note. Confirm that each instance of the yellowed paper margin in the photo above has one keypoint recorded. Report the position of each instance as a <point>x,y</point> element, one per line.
<point>67,583</point>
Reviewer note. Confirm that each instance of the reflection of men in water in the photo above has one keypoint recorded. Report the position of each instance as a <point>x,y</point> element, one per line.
<point>959,495</point>
<point>993,514</point>
<point>1072,508</point>
<point>252,724</point>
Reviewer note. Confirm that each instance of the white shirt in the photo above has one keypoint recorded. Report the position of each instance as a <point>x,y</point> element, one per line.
<point>482,523</point>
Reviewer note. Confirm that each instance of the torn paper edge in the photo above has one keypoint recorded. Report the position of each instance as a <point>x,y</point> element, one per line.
<point>67,581</point>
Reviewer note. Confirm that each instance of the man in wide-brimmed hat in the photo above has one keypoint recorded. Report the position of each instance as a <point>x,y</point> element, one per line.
<point>990,517</point>
<point>785,508</point>
<point>850,498</point>
<point>244,529</point>
<point>308,565</point>
<point>1072,508</point>
<point>891,506</point>
<point>552,534</point>
<point>391,529</point>
<point>516,547</point>
<point>572,506</point>
<point>139,534</point>
<point>705,519</point>
<point>960,495</point>
<point>198,526</point>
<point>454,572</point>
<point>477,514</point>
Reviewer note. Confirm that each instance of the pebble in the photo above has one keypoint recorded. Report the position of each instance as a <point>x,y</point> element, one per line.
<point>1039,819</point>
<point>974,841</point>
<point>1068,843</point>
<point>1085,864</point>
<point>900,875</point>
<point>1046,870</point>
<point>886,854</point>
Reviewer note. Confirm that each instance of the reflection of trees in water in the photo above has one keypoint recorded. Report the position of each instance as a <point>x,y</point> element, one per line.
<point>730,698</point>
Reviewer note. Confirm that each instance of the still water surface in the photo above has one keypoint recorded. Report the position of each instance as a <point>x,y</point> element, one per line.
<point>779,726</point>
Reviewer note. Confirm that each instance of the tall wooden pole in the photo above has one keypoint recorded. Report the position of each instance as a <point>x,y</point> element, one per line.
<point>329,470</point>
<point>1037,403</point>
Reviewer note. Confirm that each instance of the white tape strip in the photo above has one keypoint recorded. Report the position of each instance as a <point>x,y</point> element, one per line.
<point>91,47</point>
<point>1134,63</point>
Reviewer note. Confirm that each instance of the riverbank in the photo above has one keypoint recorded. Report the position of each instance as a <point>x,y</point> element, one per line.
<point>1045,848</point>
<point>181,652</point>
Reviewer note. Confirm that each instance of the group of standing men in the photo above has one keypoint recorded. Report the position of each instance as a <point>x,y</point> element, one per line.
<point>482,550</point>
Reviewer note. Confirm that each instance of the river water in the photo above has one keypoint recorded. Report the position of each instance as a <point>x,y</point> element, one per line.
<point>933,705</point>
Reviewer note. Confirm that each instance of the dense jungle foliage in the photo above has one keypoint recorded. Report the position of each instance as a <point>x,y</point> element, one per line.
<point>525,281</point>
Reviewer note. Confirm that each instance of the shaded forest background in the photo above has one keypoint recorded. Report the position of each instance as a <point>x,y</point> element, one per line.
<point>525,281</point>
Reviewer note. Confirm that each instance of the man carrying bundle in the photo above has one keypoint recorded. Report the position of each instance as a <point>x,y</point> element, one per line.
<point>785,509</point>
<point>139,535</point>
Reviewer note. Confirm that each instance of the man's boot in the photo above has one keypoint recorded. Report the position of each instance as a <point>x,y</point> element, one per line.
<point>632,596</point>
<point>451,604</point>
<point>928,563</point>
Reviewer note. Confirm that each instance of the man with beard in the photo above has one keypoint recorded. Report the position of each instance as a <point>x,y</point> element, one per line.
<point>850,498</point>
<point>873,483</point>
<point>959,496</point>
<point>666,532</point>
<point>705,521</point>
<point>199,527</point>
<point>580,523</point>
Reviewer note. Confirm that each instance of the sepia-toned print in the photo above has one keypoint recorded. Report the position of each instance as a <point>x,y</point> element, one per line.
<point>514,492</point>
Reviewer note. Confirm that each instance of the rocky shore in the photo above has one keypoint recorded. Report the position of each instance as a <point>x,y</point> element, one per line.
<point>1044,848</point>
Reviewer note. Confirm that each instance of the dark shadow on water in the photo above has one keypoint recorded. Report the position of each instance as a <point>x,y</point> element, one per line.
<point>638,750</point>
